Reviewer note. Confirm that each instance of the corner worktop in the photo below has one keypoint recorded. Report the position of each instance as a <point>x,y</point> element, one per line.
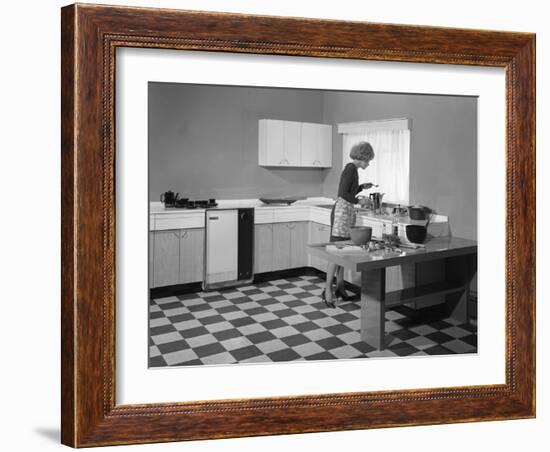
<point>161,218</point>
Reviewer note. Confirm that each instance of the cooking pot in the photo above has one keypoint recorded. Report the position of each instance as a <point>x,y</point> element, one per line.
<point>416,233</point>
<point>418,212</point>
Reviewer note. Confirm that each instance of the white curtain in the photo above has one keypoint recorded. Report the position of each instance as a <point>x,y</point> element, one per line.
<point>390,167</point>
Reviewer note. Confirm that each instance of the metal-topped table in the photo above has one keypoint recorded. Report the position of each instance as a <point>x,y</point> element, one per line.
<point>456,258</point>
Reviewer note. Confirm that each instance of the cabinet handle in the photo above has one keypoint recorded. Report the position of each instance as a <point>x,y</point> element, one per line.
<point>177,234</point>
<point>316,161</point>
<point>184,236</point>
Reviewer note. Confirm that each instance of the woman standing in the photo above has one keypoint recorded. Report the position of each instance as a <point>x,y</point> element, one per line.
<point>343,214</point>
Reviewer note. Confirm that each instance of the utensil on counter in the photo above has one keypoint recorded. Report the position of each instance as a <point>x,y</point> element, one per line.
<point>376,200</point>
<point>418,212</point>
<point>169,198</point>
<point>181,202</point>
<point>287,201</point>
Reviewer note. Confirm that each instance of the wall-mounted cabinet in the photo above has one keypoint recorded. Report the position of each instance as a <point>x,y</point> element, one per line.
<point>294,144</point>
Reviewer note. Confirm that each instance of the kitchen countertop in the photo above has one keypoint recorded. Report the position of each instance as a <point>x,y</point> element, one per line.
<point>158,207</point>
<point>311,209</point>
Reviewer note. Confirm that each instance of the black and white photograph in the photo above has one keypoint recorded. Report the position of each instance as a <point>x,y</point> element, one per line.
<point>292,225</point>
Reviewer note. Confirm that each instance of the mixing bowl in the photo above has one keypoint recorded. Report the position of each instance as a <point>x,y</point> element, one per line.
<point>361,235</point>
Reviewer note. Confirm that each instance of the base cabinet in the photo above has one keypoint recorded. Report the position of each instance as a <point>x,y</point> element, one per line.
<point>176,257</point>
<point>280,246</point>
<point>191,255</point>
<point>298,243</point>
<point>165,258</point>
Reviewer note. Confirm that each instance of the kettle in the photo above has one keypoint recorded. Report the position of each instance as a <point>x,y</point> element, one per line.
<point>169,198</point>
<point>376,200</point>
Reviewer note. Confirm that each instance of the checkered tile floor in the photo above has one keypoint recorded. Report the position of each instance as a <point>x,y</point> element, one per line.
<point>285,320</point>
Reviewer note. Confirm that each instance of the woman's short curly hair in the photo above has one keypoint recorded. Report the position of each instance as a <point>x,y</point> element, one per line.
<point>362,151</point>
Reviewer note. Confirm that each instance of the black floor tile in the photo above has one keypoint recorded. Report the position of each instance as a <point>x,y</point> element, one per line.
<point>404,334</point>
<point>226,309</point>
<point>439,337</point>
<point>287,354</point>
<point>227,334</point>
<point>157,330</point>
<point>243,353</point>
<point>297,339</point>
<point>331,342</point>
<point>315,315</point>
<point>273,324</point>
<point>338,329</point>
<point>320,356</point>
<point>173,346</point>
<point>242,321</point>
<point>403,349</point>
<point>157,361</point>
<point>438,350</point>
<point>181,317</point>
<point>262,336</point>
<point>194,332</point>
<point>345,317</point>
<point>306,326</point>
<point>210,349</point>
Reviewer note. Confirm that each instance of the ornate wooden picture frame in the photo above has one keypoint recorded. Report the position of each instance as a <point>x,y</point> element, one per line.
<point>90,37</point>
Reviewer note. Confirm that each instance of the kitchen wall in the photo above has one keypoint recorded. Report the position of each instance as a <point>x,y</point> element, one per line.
<point>443,160</point>
<point>203,141</point>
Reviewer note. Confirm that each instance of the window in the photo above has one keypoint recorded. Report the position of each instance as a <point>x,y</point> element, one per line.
<point>390,140</point>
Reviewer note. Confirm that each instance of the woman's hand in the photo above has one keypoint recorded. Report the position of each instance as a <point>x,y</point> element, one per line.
<point>367,185</point>
<point>365,202</point>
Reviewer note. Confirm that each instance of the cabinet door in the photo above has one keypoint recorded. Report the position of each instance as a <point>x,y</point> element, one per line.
<point>166,255</point>
<point>309,144</point>
<point>191,255</point>
<point>298,244</point>
<point>263,248</point>
<point>281,246</point>
<point>313,237</point>
<point>324,153</point>
<point>292,139</point>
<point>324,236</point>
<point>150,275</point>
<point>271,142</point>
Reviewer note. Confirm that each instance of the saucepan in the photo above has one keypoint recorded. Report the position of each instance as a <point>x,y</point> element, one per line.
<point>418,212</point>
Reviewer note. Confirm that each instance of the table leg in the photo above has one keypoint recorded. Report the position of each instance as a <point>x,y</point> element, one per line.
<point>373,295</point>
<point>460,269</point>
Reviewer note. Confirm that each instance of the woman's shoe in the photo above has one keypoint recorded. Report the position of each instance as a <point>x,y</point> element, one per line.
<point>330,304</point>
<point>344,296</point>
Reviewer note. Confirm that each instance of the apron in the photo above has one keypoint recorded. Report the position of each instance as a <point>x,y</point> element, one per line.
<point>344,218</point>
